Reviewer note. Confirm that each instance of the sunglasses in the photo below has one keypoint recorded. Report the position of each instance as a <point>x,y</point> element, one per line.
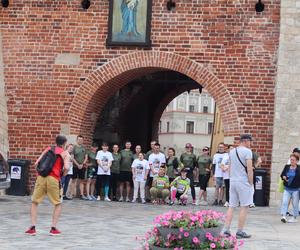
<point>205,149</point>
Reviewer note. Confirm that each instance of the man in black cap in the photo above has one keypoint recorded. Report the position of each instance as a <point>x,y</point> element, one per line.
<point>241,184</point>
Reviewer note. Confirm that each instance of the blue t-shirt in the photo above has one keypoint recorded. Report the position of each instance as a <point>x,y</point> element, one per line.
<point>291,175</point>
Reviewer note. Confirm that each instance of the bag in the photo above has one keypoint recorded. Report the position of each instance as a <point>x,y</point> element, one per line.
<point>47,162</point>
<point>280,185</point>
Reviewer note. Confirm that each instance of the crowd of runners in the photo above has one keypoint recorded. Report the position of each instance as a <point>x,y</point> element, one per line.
<point>156,177</point>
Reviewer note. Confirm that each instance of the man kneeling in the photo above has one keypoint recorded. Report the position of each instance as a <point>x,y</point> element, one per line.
<point>160,187</point>
<point>50,184</point>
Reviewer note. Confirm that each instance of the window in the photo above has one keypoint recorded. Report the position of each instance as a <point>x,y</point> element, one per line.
<point>191,108</point>
<point>168,127</point>
<point>205,109</point>
<point>189,127</point>
<point>209,128</point>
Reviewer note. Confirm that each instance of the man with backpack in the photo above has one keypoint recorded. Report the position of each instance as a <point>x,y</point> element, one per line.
<point>52,164</point>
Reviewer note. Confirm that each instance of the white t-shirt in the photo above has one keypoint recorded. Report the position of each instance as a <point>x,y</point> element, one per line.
<point>105,158</point>
<point>156,160</point>
<point>218,157</point>
<point>140,169</point>
<point>225,161</point>
<point>70,172</point>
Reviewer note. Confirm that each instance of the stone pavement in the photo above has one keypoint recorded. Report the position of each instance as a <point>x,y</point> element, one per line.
<point>113,225</point>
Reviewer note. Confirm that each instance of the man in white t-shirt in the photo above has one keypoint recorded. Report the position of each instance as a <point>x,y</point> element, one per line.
<point>218,174</point>
<point>156,160</point>
<point>241,185</point>
<point>104,159</point>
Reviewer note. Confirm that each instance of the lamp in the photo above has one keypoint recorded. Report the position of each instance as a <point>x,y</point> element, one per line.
<point>259,6</point>
<point>86,4</point>
<point>171,5</point>
<point>5,3</point>
<point>200,90</point>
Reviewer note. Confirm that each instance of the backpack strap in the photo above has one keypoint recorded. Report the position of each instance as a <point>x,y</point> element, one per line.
<point>240,160</point>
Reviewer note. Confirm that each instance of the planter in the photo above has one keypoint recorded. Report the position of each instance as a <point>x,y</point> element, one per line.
<point>200,233</point>
<point>162,248</point>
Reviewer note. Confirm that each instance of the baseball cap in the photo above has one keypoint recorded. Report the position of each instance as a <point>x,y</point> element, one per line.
<point>188,145</point>
<point>296,150</point>
<point>246,137</point>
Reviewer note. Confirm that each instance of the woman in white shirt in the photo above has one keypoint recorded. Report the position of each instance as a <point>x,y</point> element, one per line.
<point>104,159</point>
<point>140,169</point>
<point>225,171</point>
<point>66,179</point>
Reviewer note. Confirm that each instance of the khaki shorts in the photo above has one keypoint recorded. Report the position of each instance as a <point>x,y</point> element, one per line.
<point>47,186</point>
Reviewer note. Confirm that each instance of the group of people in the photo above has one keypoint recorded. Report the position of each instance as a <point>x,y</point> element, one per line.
<point>156,176</point>
<point>152,175</point>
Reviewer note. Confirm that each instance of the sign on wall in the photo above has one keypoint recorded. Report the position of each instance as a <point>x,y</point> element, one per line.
<point>129,23</point>
<point>15,172</point>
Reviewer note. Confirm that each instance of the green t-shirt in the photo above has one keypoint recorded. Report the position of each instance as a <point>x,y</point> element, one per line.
<point>172,165</point>
<point>161,181</point>
<point>188,160</point>
<point>115,166</point>
<point>181,184</point>
<point>126,160</point>
<point>79,153</point>
<point>204,162</point>
<point>148,154</point>
<point>92,158</point>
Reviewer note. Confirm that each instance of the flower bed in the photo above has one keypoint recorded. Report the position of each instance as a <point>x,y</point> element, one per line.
<point>184,230</point>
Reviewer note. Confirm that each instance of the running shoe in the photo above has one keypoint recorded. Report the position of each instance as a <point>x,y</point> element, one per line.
<point>226,204</point>
<point>31,231</point>
<point>54,231</point>
<point>107,199</point>
<point>283,219</point>
<point>121,199</point>
<point>292,220</point>
<point>98,198</point>
<point>242,235</point>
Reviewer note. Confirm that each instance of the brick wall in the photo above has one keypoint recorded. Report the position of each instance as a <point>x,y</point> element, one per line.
<point>59,73</point>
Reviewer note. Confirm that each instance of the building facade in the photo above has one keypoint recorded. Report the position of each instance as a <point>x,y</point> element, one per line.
<point>59,72</point>
<point>188,118</point>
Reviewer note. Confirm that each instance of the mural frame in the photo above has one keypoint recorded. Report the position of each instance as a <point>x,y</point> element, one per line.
<point>110,42</point>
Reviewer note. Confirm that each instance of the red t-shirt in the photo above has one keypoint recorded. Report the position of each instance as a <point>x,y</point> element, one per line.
<point>58,165</point>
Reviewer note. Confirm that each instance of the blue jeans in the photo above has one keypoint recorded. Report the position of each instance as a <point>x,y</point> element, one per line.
<point>65,183</point>
<point>287,195</point>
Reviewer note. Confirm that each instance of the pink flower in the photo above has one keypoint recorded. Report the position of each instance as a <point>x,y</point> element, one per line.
<point>186,234</point>
<point>179,236</point>
<point>181,230</point>
<point>241,243</point>
<point>213,245</point>
<point>196,240</point>
<point>222,244</point>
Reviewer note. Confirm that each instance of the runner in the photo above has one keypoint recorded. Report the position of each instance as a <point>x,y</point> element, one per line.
<point>204,162</point>
<point>140,169</point>
<point>172,165</point>
<point>225,169</point>
<point>180,187</point>
<point>104,159</point>
<point>160,187</point>
<point>65,180</point>
<point>115,172</point>
<point>189,162</point>
<point>91,172</point>
<point>126,171</point>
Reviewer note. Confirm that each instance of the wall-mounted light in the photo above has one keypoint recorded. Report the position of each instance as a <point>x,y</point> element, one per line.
<point>171,5</point>
<point>259,6</point>
<point>200,90</point>
<point>86,4</point>
<point>5,3</point>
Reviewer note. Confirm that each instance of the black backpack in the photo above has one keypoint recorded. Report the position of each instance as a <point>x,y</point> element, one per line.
<point>47,162</point>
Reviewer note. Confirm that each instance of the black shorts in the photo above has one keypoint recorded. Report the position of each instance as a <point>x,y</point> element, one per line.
<point>79,173</point>
<point>178,195</point>
<point>203,181</point>
<point>149,181</point>
<point>125,176</point>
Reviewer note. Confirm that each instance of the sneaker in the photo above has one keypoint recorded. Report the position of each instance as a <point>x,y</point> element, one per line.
<point>171,203</point>
<point>203,203</point>
<point>83,197</point>
<point>93,198</point>
<point>220,203</point>
<point>143,201</point>
<point>283,219</point>
<point>292,220</point>
<point>127,199</point>
<point>226,233</point>
<point>226,204</point>
<point>89,198</point>
<point>194,202</point>
<point>121,199</point>
<point>54,231</point>
<point>98,198</point>
<point>252,205</point>
<point>288,214</point>
<point>242,235</point>
<point>67,198</point>
<point>106,199</point>
<point>133,201</point>
<point>31,231</point>
<point>215,203</point>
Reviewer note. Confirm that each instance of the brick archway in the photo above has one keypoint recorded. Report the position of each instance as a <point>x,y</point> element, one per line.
<point>107,79</point>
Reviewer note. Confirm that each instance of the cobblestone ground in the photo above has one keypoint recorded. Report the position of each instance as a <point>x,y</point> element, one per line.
<point>114,225</point>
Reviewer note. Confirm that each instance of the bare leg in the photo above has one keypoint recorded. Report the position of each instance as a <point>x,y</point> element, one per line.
<point>200,194</point>
<point>121,189</point>
<point>88,184</point>
<point>229,216</point>
<point>81,187</point>
<point>128,189</point>
<point>205,195</point>
<point>92,187</point>
<point>33,213</point>
<point>56,214</point>
<point>74,187</point>
<point>242,218</point>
